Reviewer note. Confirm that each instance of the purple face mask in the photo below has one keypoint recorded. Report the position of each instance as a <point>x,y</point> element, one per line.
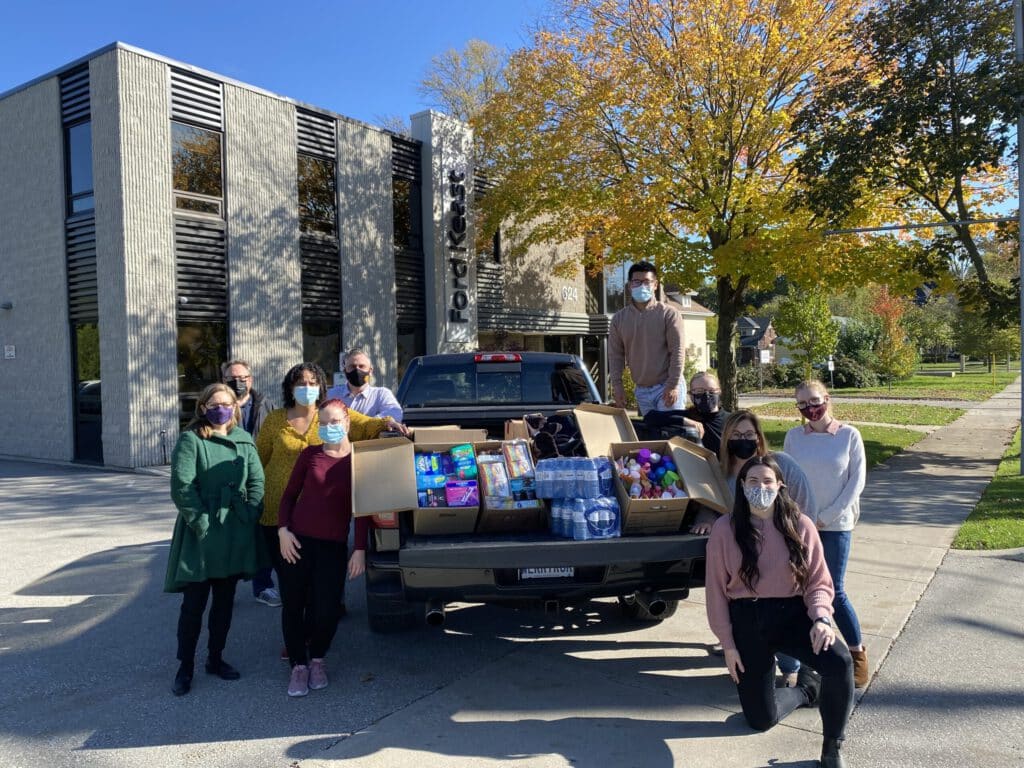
<point>814,412</point>
<point>219,414</point>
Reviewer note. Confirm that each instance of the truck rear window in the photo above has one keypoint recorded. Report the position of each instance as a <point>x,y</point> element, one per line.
<point>499,384</point>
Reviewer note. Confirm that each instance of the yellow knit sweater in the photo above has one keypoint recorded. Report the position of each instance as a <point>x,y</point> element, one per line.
<point>279,445</point>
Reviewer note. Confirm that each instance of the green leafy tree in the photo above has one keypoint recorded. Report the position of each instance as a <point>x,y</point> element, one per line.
<point>930,326</point>
<point>663,131</point>
<point>803,319</point>
<point>894,355</point>
<point>977,338</point>
<point>924,112</point>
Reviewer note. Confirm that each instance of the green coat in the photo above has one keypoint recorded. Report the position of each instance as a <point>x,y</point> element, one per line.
<point>217,486</point>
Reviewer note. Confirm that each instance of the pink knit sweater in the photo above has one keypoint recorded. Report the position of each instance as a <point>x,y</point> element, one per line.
<point>723,582</point>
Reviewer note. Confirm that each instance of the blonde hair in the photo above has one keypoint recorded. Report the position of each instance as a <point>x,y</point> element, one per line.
<point>813,386</point>
<point>200,424</point>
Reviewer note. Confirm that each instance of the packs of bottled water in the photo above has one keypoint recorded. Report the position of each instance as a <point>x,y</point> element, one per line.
<point>574,477</point>
<point>595,518</point>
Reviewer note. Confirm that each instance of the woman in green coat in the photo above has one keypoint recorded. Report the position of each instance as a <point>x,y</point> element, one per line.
<point>217,486</point>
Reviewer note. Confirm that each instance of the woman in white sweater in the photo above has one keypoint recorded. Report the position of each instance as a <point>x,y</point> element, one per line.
<point>832,456</point>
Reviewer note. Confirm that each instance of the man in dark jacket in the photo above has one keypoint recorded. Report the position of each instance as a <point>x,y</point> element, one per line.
<point>706,395</point>
<point>237,374</point>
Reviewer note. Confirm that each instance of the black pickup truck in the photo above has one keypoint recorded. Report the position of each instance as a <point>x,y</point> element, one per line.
<point>410,577</point>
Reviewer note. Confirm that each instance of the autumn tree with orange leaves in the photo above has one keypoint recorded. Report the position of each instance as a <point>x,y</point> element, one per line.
<point>662,130</point>
<point>894,354</point>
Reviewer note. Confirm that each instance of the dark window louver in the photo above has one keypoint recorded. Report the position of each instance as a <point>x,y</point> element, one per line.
<point>321,278</point>
<point>317,134</point>
<point>410,302</point>
<point>74,96</point>
<point>196,100</point>
<point>80,236</point>
<point>405,159</point>
<point>200,257</point>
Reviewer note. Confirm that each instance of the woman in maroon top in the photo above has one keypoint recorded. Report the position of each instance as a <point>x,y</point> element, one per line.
<point>768,591</point>
<point>313,524</point>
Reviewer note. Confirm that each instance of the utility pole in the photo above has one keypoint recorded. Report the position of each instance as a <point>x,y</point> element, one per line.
<point>1018,49</point>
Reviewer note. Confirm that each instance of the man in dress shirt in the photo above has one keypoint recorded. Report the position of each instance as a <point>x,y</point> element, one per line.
<point>359,395</point>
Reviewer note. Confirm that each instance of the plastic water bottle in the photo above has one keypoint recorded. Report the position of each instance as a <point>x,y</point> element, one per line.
<point>580,530</point>
<point>543,479</point>
<point>591,479</point>
<point>604,475</point>
<point>567,478</point>
<point>556,516</point>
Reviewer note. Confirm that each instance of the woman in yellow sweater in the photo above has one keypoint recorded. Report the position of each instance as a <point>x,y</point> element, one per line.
<point>289,430</point>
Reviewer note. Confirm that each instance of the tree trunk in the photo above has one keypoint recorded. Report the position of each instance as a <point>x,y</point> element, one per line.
<point>730,304</point>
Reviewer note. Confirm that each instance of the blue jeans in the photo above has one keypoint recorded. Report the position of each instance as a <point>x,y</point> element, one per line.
<point>837,553</point>
<point>649,399</point>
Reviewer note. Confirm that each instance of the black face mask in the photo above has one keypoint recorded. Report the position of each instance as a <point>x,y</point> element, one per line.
<point>239,387</point>
<point>707,403</point>
<point>356,377</point>
<point>742,449</point>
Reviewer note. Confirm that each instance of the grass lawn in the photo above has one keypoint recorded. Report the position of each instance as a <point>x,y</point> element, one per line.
<point>879,442</point>
<point>880,413</point>
<point>976,384</point>
<point>998,520</point>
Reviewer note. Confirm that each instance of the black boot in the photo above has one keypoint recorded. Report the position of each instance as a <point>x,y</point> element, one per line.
<point>215,665</point>
<point>830,755</point>
<point>182,680</point>
<point>810,681</point>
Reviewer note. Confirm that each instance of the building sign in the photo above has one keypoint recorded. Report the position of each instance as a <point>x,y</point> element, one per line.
<point>458,251</point>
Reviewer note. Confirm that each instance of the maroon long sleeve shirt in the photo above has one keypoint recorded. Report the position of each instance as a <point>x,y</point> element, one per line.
<point>317,501</point>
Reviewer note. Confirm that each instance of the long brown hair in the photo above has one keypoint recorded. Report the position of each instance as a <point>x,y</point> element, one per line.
<point>786,517</point>
<point>200,424</point>
<point>724,459</point>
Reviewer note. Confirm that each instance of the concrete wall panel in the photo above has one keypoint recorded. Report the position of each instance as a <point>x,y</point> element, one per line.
<point>35,386</point>
<point>263,235</point>
<point>135,257</point>
<point>366,233</point>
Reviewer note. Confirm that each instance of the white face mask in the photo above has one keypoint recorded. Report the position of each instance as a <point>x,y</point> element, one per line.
<point>760,497</point>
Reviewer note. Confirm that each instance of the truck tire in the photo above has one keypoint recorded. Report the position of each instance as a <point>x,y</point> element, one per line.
<point>387,615</point>
<point>632,609</point>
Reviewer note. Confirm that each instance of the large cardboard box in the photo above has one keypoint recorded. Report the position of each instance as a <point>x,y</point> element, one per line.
<point>453,435</point>
<point>524,516</point>
<point>383,476</point>
<point>439,521</point>
<point>609,432</point>
<point>516,429</point>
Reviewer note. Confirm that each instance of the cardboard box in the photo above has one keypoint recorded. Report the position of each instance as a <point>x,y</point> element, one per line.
<point>516,429</point>
<point>438,521</point>
<point>452,435</point>
<point>383,476</point>
<point>603,428</point>
<point>523,516</point>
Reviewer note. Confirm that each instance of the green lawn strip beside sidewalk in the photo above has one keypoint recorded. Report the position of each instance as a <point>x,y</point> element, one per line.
<point>975,385</point>
<point>879,442</point>
<point>879,413</point>
<point>997,522</point>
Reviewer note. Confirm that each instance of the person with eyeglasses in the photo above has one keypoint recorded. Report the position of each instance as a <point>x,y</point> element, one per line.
<point>359,394</point>
<point>647,337</point>
<point>768,591</point>
<point>254,407</point>
<point>706,396</point>
<point>831,454</point>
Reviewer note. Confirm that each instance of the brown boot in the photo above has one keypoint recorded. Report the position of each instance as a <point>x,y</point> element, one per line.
<point>860,667</point>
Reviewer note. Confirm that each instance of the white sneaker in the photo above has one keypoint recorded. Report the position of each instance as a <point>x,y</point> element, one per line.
<point>269,596</point>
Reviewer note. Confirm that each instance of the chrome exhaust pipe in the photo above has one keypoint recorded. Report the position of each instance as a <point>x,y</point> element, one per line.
<point>435,613</point>
<point>652,602</point>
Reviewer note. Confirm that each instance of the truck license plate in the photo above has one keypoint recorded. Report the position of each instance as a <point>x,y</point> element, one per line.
<point>547,573</point>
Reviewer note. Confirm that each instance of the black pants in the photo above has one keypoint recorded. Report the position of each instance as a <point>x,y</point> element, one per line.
<point>310,596</point>
<point>766,626</point>
<point>190,620</point>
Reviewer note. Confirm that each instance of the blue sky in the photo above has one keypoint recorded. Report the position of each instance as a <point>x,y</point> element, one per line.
<point>361,59</point>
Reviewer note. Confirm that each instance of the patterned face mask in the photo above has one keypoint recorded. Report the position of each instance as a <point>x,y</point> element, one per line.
<point>760,497</point>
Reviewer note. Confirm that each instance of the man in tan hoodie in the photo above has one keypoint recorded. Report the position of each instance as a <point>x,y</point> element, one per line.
<point>647,336</point>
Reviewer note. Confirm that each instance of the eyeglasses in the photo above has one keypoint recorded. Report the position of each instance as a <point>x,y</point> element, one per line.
<point>699,392</point>
<point>745,435</point>
<point>812,402</point>
<point>241,378</point>
<point>637,283</point>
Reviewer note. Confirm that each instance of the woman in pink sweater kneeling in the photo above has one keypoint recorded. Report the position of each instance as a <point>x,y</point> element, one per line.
<point>768,591</point>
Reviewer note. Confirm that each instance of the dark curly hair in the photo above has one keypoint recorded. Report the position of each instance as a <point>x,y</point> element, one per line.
<point>293,379</point>
<point>785,517</point>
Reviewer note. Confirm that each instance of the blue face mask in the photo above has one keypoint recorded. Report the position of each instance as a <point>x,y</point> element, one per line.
<point>332,433</point>
<point>306,395</point>
<point>642,293</point>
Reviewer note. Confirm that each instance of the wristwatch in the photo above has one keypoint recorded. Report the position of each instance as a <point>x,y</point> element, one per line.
<point>824,620</point>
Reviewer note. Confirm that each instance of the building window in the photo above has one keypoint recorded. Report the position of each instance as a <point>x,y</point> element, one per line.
<point>406,213</point>
<point>318,206</point>
<point>197,169</point>
<point>321,344</point>
<point>78,139</point>
<point>202,347</point>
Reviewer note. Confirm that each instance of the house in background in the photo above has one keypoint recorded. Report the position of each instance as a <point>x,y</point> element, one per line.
<point>755,334</point>
<point>695,325</point>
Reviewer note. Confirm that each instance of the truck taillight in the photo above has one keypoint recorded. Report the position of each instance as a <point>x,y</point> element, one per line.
<point>385,520</point>
<point>488,357</point>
